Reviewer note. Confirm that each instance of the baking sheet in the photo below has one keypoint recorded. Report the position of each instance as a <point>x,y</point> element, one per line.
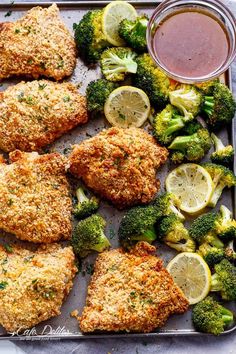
<point>64,326</point>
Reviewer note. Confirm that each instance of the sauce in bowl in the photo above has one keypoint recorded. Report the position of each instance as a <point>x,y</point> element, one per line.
<point>191,43</point>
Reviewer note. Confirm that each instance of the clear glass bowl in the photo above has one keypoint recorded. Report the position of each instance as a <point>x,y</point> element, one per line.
<point>216,9</point>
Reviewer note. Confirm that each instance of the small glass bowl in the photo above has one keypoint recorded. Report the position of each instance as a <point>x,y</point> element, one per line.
<point>216,9</point>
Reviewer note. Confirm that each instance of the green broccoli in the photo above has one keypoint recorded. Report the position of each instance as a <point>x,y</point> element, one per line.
<point>117,62</point>
<point>187,99</point>
<point>138,225</point>
<point>134,33</point>
<point>226,225</point>
<point>192,147</point>
<point>222,155</point>
<point>152,80</point>
<point>166,204</point>
<point>202,230</point>
<point>97,93</point>
<point>224,280</point>
<point>89,36</point>
<point>209,316</point>
<point>211,254</point>
<point>167,123</point>
<point>89,236</point>
<point>207,87</point>
<point>171,230</point>
<point>191,127</point>
<point>222,177</point>
<point>85,206</point>
<point>219,107</point>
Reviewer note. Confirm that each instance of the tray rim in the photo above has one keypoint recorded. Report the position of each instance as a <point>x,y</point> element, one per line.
<point>161,333</point>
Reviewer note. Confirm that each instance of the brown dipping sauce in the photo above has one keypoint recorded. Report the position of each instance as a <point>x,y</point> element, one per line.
<point>191,44</point>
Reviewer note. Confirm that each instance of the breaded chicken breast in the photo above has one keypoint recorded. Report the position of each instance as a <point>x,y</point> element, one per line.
<point>35,203</point>
<point>120,165</point>
<point>130,292</point>
<point>34,284</point>
<point>37,44</point>
<point>34,114</point>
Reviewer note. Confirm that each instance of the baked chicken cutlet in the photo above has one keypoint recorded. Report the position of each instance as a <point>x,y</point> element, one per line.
<point>130,292</point>
<point>120,165</point>
<point>35,203</point>
<point>35,113</point>
<point>34,284</point>
<point>37,44</point>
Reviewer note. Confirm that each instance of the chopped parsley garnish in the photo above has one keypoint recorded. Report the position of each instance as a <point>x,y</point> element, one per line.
<point>3,285</point>
<point>42,86</point>
<point>66,98</point>
<point>8,248</point>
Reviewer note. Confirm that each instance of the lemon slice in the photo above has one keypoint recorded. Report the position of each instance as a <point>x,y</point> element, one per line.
<point>113,14</point>
<point>192,185</point>
<point>191,273</point>
<point>127,106</point>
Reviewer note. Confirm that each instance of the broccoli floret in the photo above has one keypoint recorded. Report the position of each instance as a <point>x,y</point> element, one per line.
<point>171,230</point>
<point>89,236</point>
<point>166,204</point>
<point>223,154</point>
<point>219,107</point>
<point>134,33</point>
<point>191,127</point>
<point>212,255</point>
<point>117,62</point>
<point>177,157</point>
<point>138,225</point>
<point>152,80</point>
<point>207,87</point>
<point>209,316</point>
<point>167,123</point>
<point>89,36</point>
<point>194,147</point>
<point>187,99</point>
<point>224,280</point>
<point>85,206</point>
<point>225,225</point>
<point>222,177</point>
<point>97,93</point>
<point>202,230</point>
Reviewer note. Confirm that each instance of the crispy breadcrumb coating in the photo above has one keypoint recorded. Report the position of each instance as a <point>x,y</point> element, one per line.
<point>33,285</point>
<point>120,165</point>
<point>35,203</point>
<point>35,113</point>
<point>37,44</point>
<point>130,292</point>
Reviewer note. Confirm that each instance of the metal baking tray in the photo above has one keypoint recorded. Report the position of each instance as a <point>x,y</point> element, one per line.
<point>64,326</point>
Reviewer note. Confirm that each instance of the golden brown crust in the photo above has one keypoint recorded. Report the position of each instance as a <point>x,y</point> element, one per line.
<point>120,165</point>
<point>35,202</point>
<point>37,44</point>
<point>35,113</point>
<point>130,292</point>
<point>36,284</point>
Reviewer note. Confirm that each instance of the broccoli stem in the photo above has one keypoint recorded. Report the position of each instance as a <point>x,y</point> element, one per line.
<point>180,142</point>
<point>217,142</point>
<point>215,283</point>
<point>227,316</point>
<point>216,194</point>
<point>81,195</point>
<point>149,235</point>
<point>175,124</point>
<point>102,245</point>
<point>225,213</point>
<point>174,210</point>
<point>208,104</point>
